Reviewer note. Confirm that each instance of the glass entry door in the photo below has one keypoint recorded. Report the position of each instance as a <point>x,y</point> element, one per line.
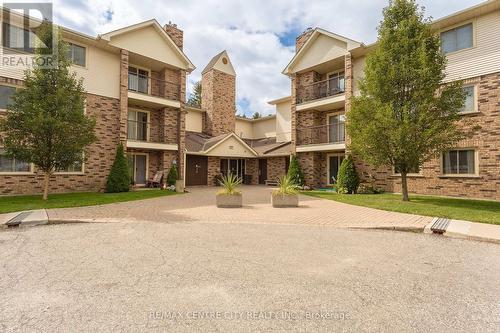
<point>137,164</point>
<point>334,162</point>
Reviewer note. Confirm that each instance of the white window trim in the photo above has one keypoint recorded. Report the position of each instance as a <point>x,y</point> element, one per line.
<point>461,175</point>
<point>147,167</point>
<point>144,69</point>
<point>73,172</point>
<point>333,114</point>
<point>458,25</point>
<point>148,134</point>
<point>476,99</point>
<point>419,174</point>
<point>69,41</point>
<point>18,173</point>
<point>328,180</point>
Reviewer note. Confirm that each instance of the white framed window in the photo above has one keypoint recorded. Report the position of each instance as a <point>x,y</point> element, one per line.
<point>14,38</point>
<point>6,93</point>
<point>336,128</point>
<point>460,162</point>
<point>12,165</point>
<point>458,38</point>
<point>470,103</point>
<point>77,54</point>
<point>333,166</point>
<point>138,125</point>
<point>138,79</point>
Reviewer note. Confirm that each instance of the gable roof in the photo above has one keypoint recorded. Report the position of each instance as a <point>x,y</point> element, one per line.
<point>217,63</point>
<point>202,143</point>
<point>153,23</point>
<point>351,44</point>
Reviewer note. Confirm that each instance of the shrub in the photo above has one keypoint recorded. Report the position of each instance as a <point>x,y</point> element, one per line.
<point>295,172</point>
<point>119,177</point>
<point>286,186</point>
<point>229,184</point>
<point>172,175</point>
<point>347,179</point>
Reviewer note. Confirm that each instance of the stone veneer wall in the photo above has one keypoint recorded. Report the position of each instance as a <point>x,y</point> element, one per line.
<point>276,167</point>
<point>99,156</point>
<point>218,99</point>
<point>314,166</point>
<point>252,168</point>
<point>213,169</point>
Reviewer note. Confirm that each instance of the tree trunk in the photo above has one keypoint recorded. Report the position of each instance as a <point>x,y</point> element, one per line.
<point>404,187</point>
<point>46,180</point>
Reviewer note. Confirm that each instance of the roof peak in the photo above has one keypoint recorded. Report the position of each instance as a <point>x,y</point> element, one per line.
<point>220,62</point>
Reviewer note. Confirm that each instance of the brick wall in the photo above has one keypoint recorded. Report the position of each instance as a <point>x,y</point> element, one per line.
<point>252,168</point>
<point>213,169</point>
<point>99,156</point>
<point>314,166</point>
<point>300,40</point>
<point>219,101</point>
<point>276,167</point>
<point>175,34</point>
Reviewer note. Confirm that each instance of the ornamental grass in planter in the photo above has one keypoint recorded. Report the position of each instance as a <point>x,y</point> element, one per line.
<point>229,196</point>
<point>287,194</point>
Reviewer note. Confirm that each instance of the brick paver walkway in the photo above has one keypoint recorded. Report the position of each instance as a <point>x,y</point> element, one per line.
<point>199,206</point>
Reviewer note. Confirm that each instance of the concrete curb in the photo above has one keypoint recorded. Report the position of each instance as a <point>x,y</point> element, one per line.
<point>26,218</point>
<point>469,230</point>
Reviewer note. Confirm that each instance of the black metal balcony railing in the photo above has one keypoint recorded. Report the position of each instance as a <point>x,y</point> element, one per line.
<point>152,86</point>
<point>138,130</point>
<point>321,89</point>
<point>333,133</point>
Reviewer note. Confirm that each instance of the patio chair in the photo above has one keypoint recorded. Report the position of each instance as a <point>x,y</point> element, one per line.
<point>156,180</point>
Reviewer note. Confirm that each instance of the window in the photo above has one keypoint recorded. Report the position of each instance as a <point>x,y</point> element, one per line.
<point>336,128</point>
<point>74,168</point>
<point>8,164</point>
<point>470,99</point>
<point>334,162</point>
<point>459,162</point>
<point>235,167</point>
<point>138,126</point>
<point>76,54</point>
<point>138,80</point>
<point>14,38</point>
<point>457,39</point>
<point>6,93</point>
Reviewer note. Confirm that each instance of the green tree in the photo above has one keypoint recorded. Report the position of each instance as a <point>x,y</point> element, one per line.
<point>405,114</point>
<point>119,176</point>
<point>195,95</point>
<point>172,175</point>
<point>256,115</point>
<point>295,171</point>
<point>45,124</point>
<point>347,178</point>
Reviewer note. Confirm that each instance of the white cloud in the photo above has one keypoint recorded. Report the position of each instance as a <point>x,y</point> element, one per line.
<point>248,30</point>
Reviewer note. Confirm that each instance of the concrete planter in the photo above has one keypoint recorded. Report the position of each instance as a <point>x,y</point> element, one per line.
<point>282,201</point>
<point>229,200</point>
<point>179,186</point>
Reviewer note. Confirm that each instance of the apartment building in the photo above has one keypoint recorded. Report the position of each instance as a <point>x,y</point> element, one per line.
<point>135,82</point>
<point>324,75</point>
<point>218,142</point>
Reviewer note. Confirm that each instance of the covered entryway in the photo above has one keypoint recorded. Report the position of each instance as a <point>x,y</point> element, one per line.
<point>196,170</point>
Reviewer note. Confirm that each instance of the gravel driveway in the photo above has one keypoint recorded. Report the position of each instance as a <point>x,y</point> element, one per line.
<point>207,277</point>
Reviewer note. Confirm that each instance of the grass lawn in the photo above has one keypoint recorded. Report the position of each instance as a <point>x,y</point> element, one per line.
<point>459,209</point>
<point>63,200</point>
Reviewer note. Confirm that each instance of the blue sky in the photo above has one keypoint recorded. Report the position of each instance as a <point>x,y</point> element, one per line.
<point>259,35</point>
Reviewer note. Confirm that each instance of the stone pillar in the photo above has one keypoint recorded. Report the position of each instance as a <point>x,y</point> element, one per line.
<point>123,95</point>
<point>349,80</point>
<point>293,116</point>
<point>181,125</point>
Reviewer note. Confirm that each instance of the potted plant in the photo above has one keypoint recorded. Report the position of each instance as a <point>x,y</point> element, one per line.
<point>287,194</point>
<point>229,196</point>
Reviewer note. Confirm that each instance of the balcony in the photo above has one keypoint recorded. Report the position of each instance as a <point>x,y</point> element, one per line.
<point>321,138</point>
<point>139,137</point>
<point>152,92</point>
<point>322,95</point>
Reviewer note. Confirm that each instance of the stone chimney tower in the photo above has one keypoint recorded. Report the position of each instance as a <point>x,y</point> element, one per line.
<point>218,95</point>
<point>302,38</point>
<point>175,33</point>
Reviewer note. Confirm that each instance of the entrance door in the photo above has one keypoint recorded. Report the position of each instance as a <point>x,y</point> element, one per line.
<point>262,171</point>
<point>334,162</point>
<point>196,170</point>
<point>138,167</point>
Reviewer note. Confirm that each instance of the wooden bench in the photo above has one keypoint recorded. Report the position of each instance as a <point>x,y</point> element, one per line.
<point>271,182</point>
